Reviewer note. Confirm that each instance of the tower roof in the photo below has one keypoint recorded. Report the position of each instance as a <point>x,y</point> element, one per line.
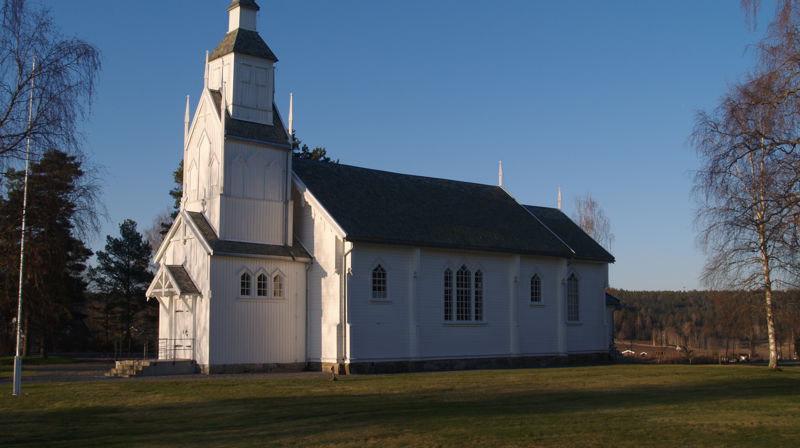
<point>243,42</point>
<point>251,4</point>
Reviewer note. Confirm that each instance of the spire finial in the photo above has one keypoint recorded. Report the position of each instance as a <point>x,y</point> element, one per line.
<point>559,198</point>
<point>291,114</point>
<point>205,73</point>
<point>500,175</point>
<point>186,124</point>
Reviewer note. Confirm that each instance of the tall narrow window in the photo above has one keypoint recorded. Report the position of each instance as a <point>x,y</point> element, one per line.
<point>573,300</point>
<point>463,294</point>
<point>244,284</point>
<point>379,283</point>
<point>536,289</point>
<point>261,285</point>
<point>478,295</point>
<point>448,294</point>
<point>277,286</point>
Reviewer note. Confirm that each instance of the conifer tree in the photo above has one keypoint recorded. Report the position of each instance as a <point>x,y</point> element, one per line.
<point>61,204</point>
<point>121,277</point>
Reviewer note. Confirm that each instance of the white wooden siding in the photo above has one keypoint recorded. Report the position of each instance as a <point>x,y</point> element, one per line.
<point>591,335</point>
<point>256,330</point>
<point>318,234</point>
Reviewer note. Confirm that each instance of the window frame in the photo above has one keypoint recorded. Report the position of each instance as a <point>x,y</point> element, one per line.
<point>245,284</point>
<point>535,298</point>
<point>379,283</point>
<point>463,296</point>
<point>259,285</point>
<point>278,281</point>
<point>573,299</point>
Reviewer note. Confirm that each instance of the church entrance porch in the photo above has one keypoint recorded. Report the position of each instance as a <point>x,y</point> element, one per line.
<point>178,296</point>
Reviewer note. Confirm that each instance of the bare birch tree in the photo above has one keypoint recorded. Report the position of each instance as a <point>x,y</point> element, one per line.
<point>746,208</point>
<point>61,85</point>
<point>590,217</point>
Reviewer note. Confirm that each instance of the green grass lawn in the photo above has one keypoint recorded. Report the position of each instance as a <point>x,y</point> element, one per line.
<point>619,405</point>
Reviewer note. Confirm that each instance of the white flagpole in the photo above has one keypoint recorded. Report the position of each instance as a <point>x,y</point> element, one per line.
<point>18,356</point>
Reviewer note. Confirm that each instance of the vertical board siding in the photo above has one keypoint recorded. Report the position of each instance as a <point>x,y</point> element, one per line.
<point>318,235</point>
<point>250,220</point>
<point>184,249</point>
<point>379,327</point>
<point>257,331</point>
<point>254,204</point>
<point>591,335</point>
<point>539,323</point>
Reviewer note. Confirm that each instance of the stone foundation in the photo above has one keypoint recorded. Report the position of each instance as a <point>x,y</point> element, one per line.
<point>432,365</point>
<point>252,368</point>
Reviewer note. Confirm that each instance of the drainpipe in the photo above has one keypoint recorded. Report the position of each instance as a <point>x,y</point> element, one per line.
<point>343,306</point>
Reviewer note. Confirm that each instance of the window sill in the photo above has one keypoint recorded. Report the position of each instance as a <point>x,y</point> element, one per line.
<point>381,301</point>
<point>261,299</point>
<point>536,305</point>
<point>574,324</point>
<point>464,324</point>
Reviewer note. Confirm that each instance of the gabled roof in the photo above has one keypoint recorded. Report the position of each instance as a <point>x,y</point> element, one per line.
<point>391,208</point>
<point>613,302</point>
<point>238,248</point>
<point>584,246</point>
<point>245,42</point>
<point>183,280</point>
<point>253,131</point>
<point>172,280</point>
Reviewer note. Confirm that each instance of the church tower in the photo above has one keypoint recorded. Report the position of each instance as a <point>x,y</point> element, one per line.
<point>237,158</point>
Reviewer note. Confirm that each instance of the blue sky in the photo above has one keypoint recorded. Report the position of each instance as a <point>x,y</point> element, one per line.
<point>594,97</point>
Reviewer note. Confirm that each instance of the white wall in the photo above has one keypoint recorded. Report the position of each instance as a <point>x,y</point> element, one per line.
<point>319,234</point>
<point>253,330</point>
<point>184,249</point>
<point>409,323</point>
<point>591,334</point>
<point>253,207</point>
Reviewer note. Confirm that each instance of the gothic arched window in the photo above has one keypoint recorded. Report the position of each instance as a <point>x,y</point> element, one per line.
<point>277,286</point>
<point>573,299</point>
<point>536,289</point>
<point>244,284</point>
<point>261,285</point>
<point>379,282</point>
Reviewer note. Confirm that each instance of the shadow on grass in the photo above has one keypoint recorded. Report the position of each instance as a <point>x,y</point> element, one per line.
<point>344,416</point>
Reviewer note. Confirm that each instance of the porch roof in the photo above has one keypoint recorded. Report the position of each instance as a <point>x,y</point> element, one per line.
<point>172,280</point>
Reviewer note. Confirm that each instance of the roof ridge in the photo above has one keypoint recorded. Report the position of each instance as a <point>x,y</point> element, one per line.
<point>395,173</point>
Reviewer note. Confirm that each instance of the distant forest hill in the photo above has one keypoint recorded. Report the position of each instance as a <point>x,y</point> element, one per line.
<point>723,321</point>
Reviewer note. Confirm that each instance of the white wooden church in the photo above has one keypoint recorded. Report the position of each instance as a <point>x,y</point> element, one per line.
<point>278,262</point>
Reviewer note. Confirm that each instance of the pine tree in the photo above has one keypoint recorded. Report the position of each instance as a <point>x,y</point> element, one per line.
<point>58,203</point>
<point>121,277</point>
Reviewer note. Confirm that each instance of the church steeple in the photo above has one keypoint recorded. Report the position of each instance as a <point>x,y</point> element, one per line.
<point>242,14</point>
<point>242,67</point>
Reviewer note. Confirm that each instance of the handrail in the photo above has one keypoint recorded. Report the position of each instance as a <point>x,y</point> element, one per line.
<point>172,349</point>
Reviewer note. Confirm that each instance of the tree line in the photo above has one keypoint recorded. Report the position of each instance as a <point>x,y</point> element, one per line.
<point>726,322</point>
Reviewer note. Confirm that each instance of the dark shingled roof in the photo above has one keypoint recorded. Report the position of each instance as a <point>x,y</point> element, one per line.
<point>253,131</point>
<point>225,247</point>
<point>243,42</point>
<point>183,280</point>
<point>613,302</point>
<point>383,207</point>
<point>584,246</point>
<point>244,4</point>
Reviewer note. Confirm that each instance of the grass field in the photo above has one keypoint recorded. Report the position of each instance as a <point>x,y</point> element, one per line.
<point>619,405</point>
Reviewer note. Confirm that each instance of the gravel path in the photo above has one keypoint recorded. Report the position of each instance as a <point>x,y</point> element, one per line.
<point>94,370</point>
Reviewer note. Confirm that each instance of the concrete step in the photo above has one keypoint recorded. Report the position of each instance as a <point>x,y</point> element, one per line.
<point>129,368</point>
